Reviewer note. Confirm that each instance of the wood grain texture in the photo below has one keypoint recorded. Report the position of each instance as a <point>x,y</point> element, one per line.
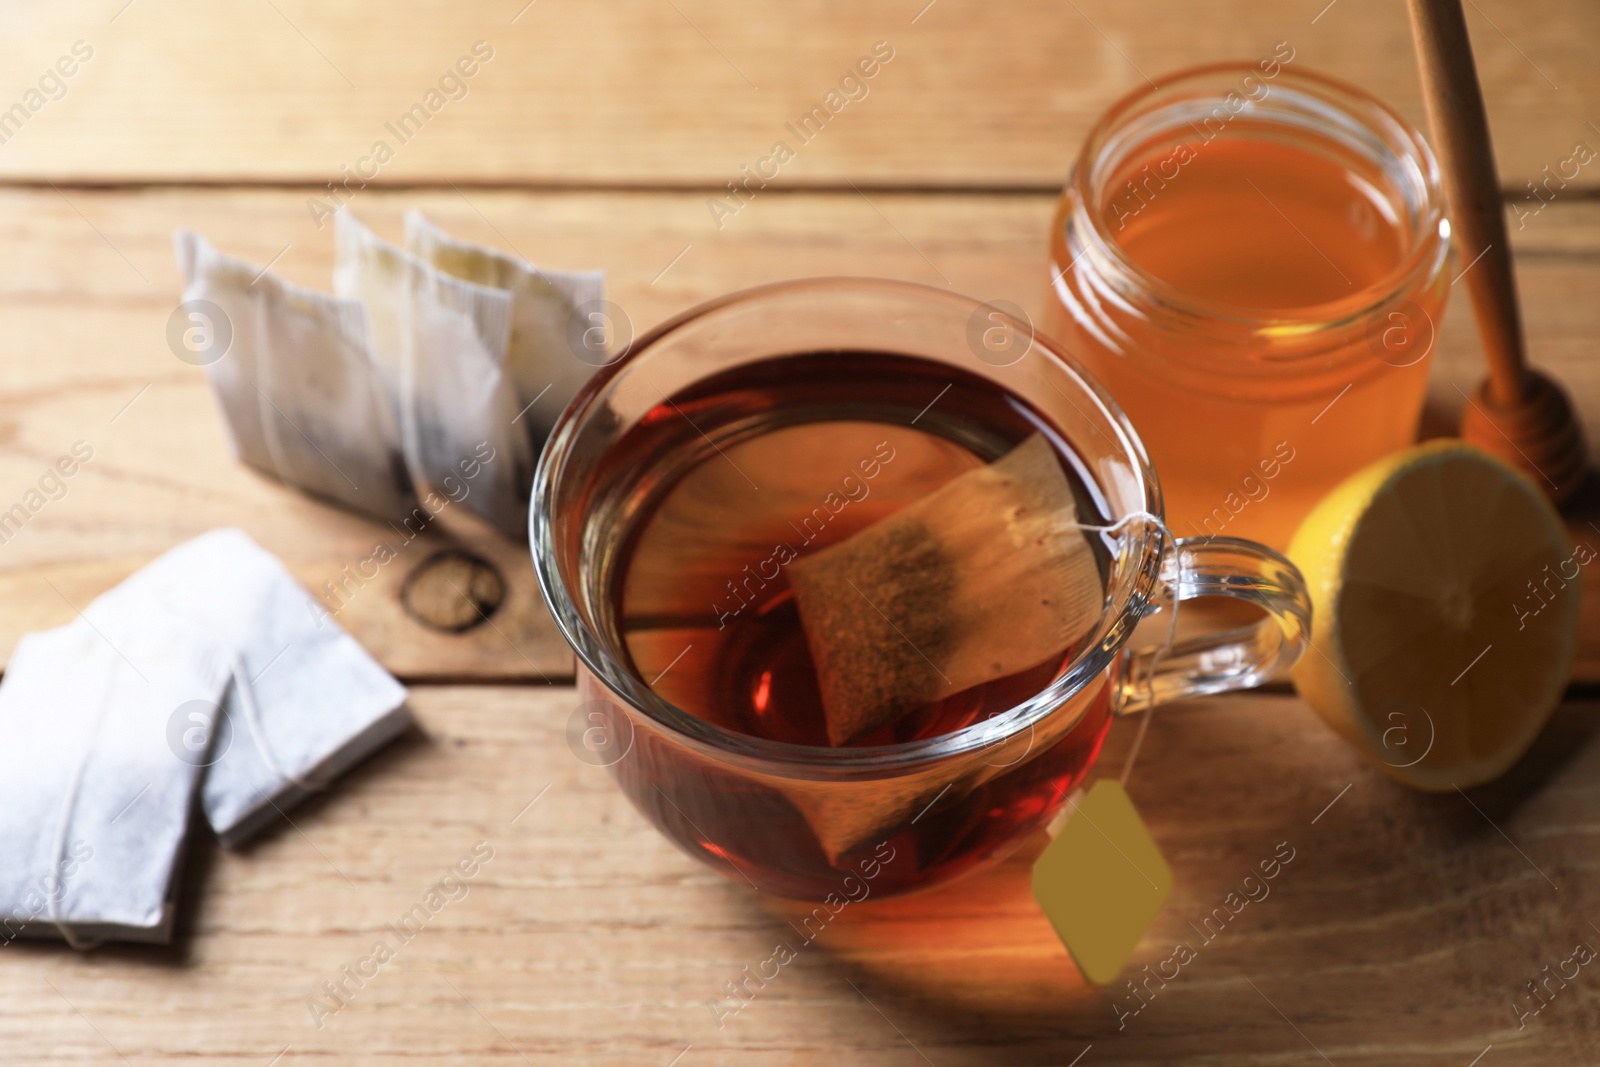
<point>651,92</point>
<point>1399,934</point>
<point>90,281</point>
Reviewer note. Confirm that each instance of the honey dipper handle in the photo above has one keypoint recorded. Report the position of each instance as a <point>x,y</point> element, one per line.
<point>1519,414</point>
<point>1466,157</point>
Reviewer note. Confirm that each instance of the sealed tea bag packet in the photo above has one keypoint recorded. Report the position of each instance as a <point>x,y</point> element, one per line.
<point>211,668</point>
<point>987,576</point>
<point>302,399</point>
<point>208,669</point>
<point>441,341</point>
<point>539,358</point>
<point>304,701</point>
<point>94,805</point>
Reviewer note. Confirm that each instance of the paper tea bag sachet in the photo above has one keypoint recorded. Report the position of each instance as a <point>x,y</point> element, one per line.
<point>94,802</point>
<point>441,341</point>
<point>987,576</point>
<point>540,357</point>
<point>305,700</point>
<point>301,396</point>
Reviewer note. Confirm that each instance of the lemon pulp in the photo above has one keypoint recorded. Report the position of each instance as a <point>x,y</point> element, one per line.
<point>1446,593</point>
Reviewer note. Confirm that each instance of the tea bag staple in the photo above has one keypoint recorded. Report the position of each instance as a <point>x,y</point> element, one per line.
<point>305,701</point>
<point>441,342</point>
<point>985,577</point>
<point>302,398</point>
<point>95,805</point>
<point>544,370</point>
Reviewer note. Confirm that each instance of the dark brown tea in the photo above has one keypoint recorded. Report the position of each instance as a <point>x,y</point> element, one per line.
<point>734,480</point>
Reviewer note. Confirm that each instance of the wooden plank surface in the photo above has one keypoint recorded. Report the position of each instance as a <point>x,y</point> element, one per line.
<point>90,282</point>
<point>650,92</point>
<point>1400,933</point>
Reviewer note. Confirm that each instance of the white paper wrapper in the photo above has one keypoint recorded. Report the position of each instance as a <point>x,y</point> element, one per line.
<point>302,398</point>
<point>544,303</point>
<point>305,700</point>
<point>96,800</point>
<point>442,343</point>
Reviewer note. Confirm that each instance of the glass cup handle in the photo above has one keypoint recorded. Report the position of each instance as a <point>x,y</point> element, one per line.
<point>1231,659</point>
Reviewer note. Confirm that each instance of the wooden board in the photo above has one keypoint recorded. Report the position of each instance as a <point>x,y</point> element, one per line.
<point>652,92</point>
<point>90,281</point>
<point>1400,933</point>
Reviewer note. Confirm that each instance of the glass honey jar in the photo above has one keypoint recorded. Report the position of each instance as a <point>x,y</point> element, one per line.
<point>1253,260</point>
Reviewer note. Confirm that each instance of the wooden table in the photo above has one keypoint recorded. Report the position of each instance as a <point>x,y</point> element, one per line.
<point>1402,932</point>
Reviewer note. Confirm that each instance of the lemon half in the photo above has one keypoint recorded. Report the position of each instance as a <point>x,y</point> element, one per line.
<point>1446,595</point>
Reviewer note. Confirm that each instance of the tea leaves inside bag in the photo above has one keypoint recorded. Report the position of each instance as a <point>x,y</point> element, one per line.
<point>544,370</point>
<point>302,398</point>
<point>442,343</point>
<point>985,577</point>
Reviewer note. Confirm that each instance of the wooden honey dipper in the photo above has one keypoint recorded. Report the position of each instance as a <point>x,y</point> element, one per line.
<point>1517,413</point>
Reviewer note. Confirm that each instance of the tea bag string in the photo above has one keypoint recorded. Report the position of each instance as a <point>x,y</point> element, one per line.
<point>268,410</point>
<point>1167,541</point>
<point>244,702</point>
<point>245,698</point>
<point>69,805</point>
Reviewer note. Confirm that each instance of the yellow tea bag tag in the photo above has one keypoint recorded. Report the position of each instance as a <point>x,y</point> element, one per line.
<point>1102,881</point>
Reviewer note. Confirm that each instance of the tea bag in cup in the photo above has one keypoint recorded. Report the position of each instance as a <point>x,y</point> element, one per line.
<point>987,576</point>
<point>539,358</point>
<point>441,341</point>
<point>302,399</point>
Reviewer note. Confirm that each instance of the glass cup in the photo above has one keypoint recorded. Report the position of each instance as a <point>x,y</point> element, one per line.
<point>1193,200</point>
<point>822,823</point>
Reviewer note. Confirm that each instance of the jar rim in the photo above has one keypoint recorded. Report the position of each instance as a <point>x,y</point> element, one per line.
<point>1429,228</point>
